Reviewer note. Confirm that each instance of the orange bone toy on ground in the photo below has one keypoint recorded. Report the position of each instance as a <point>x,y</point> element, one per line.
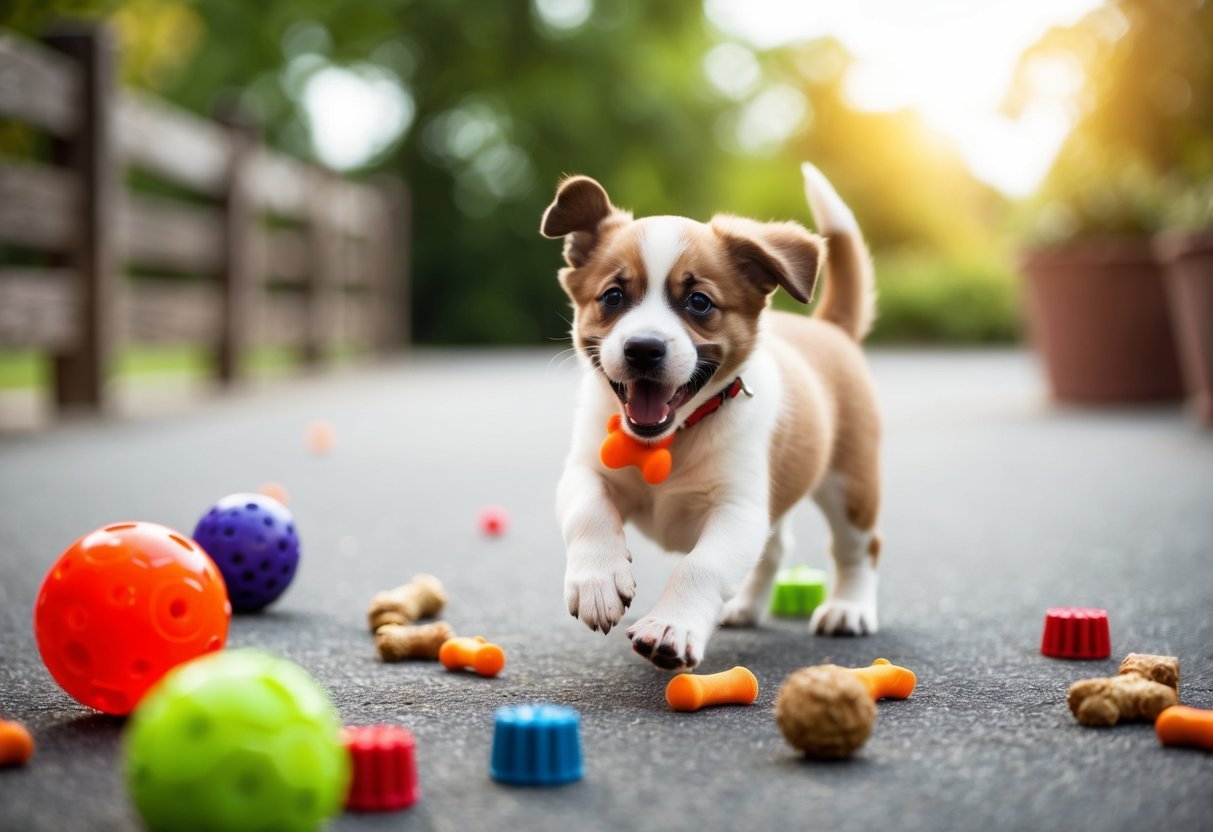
<point>688,692</point>
<point>1181,725</point>
<point>16,744</point>
<point>885,680</point>
<point>475,653</point>
<point>621,450</point>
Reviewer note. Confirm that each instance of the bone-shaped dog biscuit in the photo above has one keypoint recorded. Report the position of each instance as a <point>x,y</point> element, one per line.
<point>421,597</point>
<point>1145,686</point>
<point>412,641</point>
<point>621,450</point>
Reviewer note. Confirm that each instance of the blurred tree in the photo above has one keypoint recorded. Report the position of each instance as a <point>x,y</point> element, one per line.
<point>508,96</point>
<point>1144,116</point>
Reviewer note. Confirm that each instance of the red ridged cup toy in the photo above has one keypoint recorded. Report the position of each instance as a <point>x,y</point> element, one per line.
<point>385,769</point>
<point>123,606</point>
<point>1076,633</point>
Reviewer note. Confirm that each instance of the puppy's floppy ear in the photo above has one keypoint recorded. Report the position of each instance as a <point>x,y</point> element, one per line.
<point>772,254</point>
<point>577,214</point>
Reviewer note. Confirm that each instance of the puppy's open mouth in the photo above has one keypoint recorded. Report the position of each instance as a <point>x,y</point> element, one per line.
<point>650,407</point>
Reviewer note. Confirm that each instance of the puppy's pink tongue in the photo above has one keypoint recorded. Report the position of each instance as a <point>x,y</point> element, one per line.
<point>648,403</point>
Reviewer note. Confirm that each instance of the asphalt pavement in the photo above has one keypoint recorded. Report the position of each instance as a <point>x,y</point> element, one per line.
<point>998,506</point>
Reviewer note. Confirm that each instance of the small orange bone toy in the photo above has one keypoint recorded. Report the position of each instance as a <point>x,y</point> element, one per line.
<point>621,450</point>
<point>475,653</point>
<point>885,680</point>
<point>732,687</point>
<point>1181,725</point>
<point>16,745</point>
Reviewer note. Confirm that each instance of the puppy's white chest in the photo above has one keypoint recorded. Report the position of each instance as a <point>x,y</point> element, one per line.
<point>674,522</point>
<point>673,514</point>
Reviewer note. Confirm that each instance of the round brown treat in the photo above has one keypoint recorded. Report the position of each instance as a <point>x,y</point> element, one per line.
<point>825,711</point>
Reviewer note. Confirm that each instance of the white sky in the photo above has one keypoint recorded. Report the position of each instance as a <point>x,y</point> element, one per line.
<point>950,59</point>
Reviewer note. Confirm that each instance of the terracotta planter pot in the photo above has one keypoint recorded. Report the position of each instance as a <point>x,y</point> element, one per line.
<point>1189,261</point>
<point>1097,311</point>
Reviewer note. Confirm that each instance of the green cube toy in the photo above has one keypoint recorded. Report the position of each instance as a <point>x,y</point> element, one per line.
<point>798,591</point>
<point>239,740</point>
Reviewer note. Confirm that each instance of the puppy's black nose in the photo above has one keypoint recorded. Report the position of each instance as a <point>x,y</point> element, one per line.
<point>644,352</point>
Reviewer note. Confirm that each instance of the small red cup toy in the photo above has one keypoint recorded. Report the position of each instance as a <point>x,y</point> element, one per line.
<point>1076,633</point>
<point>124,605</point>
<point>384,769</point>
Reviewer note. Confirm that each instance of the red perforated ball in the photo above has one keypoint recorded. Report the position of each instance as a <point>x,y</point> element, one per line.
<point>124,605</point>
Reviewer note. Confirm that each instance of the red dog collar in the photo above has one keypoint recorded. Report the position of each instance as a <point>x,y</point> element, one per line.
<point>713,404</point>
<point>653,459</point>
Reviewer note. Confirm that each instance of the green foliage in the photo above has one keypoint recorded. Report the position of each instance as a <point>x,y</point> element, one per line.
<point>30,368</point>
<point>1143,144</point>
<point>927,299</point>
<point>1094,194</point>
<point>505,104</point>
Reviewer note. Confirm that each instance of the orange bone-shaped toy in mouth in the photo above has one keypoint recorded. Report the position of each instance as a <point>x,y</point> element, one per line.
<point>621,450</point>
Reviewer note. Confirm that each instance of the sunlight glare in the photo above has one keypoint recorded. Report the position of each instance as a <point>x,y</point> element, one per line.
<point>952,60</point>
<point>354,113</point>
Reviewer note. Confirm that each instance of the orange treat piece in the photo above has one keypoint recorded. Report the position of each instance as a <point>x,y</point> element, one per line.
<point>475,653</point>
<point>621,450</point>
<point>732,687</point>
<point>275,491</point>
<point>320,437</point>
<point>885,680</point>
<point>1181,725</point>
<point>16,745</point>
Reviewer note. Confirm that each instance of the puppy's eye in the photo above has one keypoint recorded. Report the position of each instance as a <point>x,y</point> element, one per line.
<point>612,298</point>
<point>699,304</point>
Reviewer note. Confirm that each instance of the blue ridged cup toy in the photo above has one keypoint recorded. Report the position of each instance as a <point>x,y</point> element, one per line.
<point>252,539</point>
<point>536,745</point>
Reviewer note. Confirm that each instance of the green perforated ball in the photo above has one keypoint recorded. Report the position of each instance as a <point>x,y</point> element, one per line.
<point>236,741</point>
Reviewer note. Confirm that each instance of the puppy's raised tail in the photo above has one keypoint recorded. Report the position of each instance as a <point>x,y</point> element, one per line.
<point>849,297</point>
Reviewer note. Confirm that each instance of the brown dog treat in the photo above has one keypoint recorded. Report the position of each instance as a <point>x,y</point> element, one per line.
<point>825,711</point>
<point>1161,669</point>
<point>421,597</point>
<point>1143,688</point>
<point>417,641</point>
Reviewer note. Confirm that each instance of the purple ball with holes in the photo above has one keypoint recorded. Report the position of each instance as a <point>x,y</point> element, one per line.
<point>252,539</point>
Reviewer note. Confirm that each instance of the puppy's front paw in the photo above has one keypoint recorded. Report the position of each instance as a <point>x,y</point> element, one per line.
<point>838,617</point>
<point>667,644</point>
<point>741,612</point>
<point>598,597</point>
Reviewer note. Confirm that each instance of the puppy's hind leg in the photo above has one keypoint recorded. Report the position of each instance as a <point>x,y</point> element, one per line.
<point>745,608</point>
<point>851,607</point>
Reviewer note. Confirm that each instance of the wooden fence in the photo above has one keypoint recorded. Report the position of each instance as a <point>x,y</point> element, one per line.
<point>260,248</point>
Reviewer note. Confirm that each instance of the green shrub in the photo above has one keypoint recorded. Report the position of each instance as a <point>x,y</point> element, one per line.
<point>936,299</point>
<point>927,299</point>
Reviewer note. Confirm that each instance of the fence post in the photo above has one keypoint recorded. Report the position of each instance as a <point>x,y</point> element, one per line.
<point>236,279</point>
<point>394,257</point>
<point>318,283</point>
<point>80,372</point>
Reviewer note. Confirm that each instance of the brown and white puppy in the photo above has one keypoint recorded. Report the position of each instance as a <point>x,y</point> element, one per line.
<point>668,312</point>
